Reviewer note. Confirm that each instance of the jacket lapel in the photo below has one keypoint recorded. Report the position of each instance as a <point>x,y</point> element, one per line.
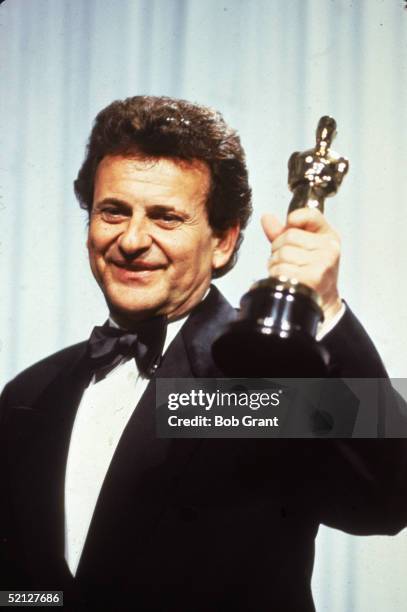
<point>200,331</point>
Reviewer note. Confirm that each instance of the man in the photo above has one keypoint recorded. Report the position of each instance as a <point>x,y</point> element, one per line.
<point>99,507</point>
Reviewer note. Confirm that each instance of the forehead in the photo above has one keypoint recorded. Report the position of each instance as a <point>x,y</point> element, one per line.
<point>132,177</point>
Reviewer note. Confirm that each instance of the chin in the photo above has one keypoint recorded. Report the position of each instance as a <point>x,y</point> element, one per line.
<point>134,310</point>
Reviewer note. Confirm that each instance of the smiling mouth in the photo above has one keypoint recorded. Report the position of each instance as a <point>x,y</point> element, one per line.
<point>138,273</point>
<point>137,267</point>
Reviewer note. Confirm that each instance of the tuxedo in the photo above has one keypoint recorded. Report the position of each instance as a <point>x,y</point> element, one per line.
<point>188,524</point>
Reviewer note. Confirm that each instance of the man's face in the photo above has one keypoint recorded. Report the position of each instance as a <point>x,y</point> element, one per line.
<point>151,248</point>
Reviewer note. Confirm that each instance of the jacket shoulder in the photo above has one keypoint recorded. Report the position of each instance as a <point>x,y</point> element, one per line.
<point>29,383</point>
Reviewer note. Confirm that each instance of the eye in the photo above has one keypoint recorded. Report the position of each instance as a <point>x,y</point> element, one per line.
<point>113,214</point>
<point>167,219</point>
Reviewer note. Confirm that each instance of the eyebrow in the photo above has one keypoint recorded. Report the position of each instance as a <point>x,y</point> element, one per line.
<point>112,201</point>
<point>161,208</point>
<point>151,208</point>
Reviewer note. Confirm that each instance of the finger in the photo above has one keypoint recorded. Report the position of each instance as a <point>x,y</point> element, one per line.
<point>286,270</point>
<point>312,276</point>
<point>309,219</point>
<point>292,255</point>
<point>298,238</point>
<point>272,226</point>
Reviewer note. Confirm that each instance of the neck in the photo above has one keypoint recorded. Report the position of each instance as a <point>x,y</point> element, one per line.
<point>131,322</point>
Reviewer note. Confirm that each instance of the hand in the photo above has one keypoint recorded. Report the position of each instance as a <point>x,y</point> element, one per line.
<point>307,249</point>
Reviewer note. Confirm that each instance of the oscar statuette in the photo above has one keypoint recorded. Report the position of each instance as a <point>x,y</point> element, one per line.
<point>275,333</point>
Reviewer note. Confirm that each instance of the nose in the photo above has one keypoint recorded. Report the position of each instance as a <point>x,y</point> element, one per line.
<point>135,236</point>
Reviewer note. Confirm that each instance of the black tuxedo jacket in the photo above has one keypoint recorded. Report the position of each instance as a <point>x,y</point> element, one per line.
<point>189,524</point>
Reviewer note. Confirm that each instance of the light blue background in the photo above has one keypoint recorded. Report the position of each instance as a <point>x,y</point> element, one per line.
<point>273,68</point>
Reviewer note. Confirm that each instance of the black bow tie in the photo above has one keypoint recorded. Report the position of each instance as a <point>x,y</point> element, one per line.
<point>108,345</point>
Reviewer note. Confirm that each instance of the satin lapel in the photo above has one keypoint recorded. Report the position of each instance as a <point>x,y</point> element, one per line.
<point>203,326</point>
<point>38,438</point>
<point>145,470</point>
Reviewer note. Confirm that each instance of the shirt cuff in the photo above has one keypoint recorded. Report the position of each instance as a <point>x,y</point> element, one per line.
<point>324,329</point>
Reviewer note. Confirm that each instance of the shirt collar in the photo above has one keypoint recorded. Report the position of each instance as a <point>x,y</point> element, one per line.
<point>173,327</point>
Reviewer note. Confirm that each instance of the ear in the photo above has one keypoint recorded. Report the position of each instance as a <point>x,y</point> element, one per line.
<point>224,246</point>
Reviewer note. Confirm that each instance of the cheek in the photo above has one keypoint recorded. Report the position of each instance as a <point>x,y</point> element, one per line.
<point>91,240</point>
<point>98,242</point>
<point>95,255</point>
<point>194,260</point>
<point>92,250</point>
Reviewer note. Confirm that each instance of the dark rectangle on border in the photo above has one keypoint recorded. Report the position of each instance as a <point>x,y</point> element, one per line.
<point>306,408</point>
<point>31,599</point>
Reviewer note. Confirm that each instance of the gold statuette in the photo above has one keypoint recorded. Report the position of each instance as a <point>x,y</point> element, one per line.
<point>275,332</point>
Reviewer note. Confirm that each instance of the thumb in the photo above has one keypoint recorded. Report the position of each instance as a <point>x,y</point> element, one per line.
<point>272,226</point>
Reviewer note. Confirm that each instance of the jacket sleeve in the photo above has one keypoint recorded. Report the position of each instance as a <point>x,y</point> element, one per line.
<point>360,485</point>
<point>352,352</point>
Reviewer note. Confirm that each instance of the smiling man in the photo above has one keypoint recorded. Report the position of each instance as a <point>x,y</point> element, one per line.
<point>96,504</point>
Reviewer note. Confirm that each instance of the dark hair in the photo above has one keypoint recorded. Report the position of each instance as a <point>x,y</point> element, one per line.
<point>166,127</point>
